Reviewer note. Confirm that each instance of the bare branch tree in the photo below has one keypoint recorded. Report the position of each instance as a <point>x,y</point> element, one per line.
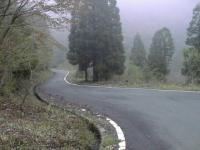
<point>55,14</point>
<point>12,12</point>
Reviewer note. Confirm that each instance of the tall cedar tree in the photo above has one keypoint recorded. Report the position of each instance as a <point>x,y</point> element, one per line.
<point>193,34</point>
<point>191,64</point>
<point>117,59</point>
<point>138,53</point>
<point>161,52</point>
<point>79,39</point>
<point>96,39</point>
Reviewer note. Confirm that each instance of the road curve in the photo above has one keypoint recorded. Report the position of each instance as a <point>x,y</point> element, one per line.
<point>150,119</point>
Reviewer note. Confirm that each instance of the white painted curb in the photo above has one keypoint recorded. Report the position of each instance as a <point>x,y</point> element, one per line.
<point>120,134</point>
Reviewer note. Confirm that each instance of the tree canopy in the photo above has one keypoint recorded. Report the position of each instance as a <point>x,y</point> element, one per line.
<point>191,64</point>
<point>25,42</point>
<point>138,53</point>
<point>161,52</point>
<point>96,39</point>
<point>193,32</point>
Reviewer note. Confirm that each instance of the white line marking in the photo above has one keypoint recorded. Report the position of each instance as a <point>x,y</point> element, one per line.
<point>124,88</point>
<point>120,134</point>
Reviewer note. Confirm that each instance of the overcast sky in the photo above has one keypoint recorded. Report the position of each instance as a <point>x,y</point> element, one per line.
<point>147,16</point>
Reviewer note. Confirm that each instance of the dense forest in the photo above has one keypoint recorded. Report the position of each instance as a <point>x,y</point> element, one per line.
<point>26,54</point>
<point>25,43</point>
<point>98,53</point>
<point>95,42</point>
<point>96,39</point>
<point>90,47</point>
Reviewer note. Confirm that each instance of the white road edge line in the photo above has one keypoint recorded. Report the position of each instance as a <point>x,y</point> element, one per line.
<point>120,134</point>
<point>109,87</point>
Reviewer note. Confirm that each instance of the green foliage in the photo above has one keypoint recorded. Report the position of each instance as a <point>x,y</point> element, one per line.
<point>96,39</point>
<point>134,74</point>
<point>138,53</point>
<point>191,65</point>
<point>194,29</point>
<point>24,50</point>
<point>161,52</point>
<point>21,57</point>
<point>107,143</point>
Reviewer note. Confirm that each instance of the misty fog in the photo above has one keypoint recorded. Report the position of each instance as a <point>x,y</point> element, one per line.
<point>146,17</point>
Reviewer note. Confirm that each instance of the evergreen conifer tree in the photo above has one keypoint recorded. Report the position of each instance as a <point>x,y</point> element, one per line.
<point>138,53</point>
<point>193,38</point>
<point>161,52</point>
<point>191,64</point>
<point>96,39</point>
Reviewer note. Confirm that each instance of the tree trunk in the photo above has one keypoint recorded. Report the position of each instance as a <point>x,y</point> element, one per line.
<point>95,75</point>
<point>86,75</point>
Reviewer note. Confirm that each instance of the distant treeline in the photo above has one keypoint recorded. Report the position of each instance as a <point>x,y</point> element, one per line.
<point>96,42</point>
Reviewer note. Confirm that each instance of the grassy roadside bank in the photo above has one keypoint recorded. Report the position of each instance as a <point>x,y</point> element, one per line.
<point>38,126</point>
<point>131,79</point>
<point>42,127</point>
<point>102,129</point>
<point>126,82</point>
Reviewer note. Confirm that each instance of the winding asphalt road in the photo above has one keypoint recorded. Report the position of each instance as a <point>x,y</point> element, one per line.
<point>150,119</point>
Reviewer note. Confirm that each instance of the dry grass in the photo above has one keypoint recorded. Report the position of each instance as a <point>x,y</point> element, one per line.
<point>42,127</point>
